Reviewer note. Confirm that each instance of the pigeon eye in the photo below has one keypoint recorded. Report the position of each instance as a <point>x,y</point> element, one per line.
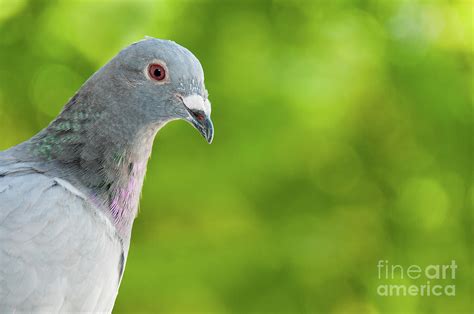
<point>157,72</point>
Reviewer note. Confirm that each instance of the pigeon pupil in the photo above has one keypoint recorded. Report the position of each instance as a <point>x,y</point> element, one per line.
<point>157,72</point>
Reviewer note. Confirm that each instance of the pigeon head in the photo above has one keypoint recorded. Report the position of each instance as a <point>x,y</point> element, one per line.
<point>152,82</point>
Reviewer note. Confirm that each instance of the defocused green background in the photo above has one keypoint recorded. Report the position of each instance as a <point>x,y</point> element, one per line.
<point>343,137</point>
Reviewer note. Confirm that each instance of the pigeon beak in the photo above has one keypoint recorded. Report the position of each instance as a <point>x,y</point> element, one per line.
<point>203,124</point>
<point>199,115</point>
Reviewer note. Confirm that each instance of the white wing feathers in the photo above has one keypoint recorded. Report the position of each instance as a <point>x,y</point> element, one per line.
<point>58,253</point>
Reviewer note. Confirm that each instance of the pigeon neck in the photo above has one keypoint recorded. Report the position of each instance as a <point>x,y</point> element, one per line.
<point>105,155</point>
<point>121,194</point>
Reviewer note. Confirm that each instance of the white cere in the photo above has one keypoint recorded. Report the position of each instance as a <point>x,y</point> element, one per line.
<point>196,102</point>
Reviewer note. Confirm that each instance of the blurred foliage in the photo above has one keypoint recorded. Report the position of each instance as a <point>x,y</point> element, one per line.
<point>343,137</point>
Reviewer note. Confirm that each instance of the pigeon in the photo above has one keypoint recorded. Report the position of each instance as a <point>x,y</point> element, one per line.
<point>69,195</point>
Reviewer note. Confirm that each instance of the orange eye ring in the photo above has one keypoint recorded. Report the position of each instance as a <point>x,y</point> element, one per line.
<point>157,72</point>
